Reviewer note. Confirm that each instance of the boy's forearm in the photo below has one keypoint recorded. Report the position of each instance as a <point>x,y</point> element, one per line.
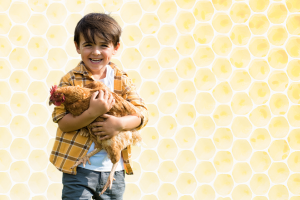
<point>130,122</point>
<point>70,123</point>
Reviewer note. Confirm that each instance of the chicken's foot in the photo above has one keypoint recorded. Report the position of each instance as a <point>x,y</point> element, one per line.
<point>110,178</point>
<point>86,158</point>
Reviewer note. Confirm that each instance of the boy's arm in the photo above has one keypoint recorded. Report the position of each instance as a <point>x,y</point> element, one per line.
<point>113,125</point>
<point>130,94</point>
<point>130,122</point>
<point>70,123</point>
<point>67,122</point>
<point>97,106</point>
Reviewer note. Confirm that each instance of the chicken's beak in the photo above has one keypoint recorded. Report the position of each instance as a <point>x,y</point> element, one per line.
<point>50,102</point>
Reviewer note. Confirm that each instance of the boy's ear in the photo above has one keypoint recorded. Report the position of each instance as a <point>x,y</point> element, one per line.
<point>116,48</point>
<point>77,47</point>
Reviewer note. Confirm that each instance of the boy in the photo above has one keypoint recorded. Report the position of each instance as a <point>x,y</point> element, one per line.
<point>96,39</point>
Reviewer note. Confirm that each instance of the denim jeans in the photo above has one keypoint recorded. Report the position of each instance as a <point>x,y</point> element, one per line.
<point>87,183</point>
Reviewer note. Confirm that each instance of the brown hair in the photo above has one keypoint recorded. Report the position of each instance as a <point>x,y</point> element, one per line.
<point>103,25</point>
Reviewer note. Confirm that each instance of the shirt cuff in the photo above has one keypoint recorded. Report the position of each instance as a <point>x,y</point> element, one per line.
<point>144,118</point>
<point>58,117</point>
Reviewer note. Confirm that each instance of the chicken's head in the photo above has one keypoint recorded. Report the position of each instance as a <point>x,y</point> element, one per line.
<point>56,97</point>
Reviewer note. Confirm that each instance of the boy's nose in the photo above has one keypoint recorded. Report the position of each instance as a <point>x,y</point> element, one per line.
<point>96,51</point>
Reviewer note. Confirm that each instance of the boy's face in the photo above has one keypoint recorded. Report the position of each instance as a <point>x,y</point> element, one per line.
<point>96,56</point>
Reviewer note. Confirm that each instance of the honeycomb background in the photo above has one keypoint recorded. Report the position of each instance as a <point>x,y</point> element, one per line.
<point>220,79</point>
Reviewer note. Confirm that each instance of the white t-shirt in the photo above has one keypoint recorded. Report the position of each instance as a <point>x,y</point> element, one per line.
<point>100,161</point>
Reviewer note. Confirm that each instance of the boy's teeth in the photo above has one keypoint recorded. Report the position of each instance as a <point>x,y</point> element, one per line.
<point>95,60</point>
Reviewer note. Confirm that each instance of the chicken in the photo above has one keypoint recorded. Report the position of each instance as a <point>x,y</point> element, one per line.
<point>76,100</point>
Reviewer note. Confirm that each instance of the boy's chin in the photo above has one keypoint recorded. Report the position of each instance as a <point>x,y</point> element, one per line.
<point>95,68</point>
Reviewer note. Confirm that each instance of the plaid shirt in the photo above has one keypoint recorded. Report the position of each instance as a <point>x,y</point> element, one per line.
<point>69,147</point>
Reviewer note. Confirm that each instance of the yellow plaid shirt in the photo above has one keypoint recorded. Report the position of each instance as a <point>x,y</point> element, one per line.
<point>69,147</point>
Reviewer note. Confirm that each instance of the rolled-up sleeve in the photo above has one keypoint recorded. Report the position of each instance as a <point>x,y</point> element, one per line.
<point>131,95</point>
<point>60,111</point>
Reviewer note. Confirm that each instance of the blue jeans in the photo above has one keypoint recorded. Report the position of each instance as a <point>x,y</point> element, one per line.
<point>87,183</point>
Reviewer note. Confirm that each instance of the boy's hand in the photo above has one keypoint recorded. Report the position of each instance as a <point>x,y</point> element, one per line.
<point>102,103</point>
<point>110,127</point>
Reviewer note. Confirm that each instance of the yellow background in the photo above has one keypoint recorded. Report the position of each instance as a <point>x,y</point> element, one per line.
<point>220,79</point>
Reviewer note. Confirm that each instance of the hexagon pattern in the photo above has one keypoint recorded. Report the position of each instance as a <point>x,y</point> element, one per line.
<point>220,79</point>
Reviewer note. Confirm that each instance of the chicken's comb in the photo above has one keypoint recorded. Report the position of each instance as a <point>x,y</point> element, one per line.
<point>53,89</point>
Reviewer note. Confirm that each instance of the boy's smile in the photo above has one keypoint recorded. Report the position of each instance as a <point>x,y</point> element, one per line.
<point>96,56</point>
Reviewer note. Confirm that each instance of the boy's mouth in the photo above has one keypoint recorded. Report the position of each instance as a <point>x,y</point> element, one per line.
<point>95,60</point>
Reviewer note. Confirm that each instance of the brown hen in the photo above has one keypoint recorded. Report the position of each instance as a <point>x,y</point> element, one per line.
<point>76,100</point>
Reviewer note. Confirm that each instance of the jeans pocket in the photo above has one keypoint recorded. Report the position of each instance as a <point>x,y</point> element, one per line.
<point>120,179</point>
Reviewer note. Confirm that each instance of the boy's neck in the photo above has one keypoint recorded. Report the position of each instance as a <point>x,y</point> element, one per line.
<point>100,76</point>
